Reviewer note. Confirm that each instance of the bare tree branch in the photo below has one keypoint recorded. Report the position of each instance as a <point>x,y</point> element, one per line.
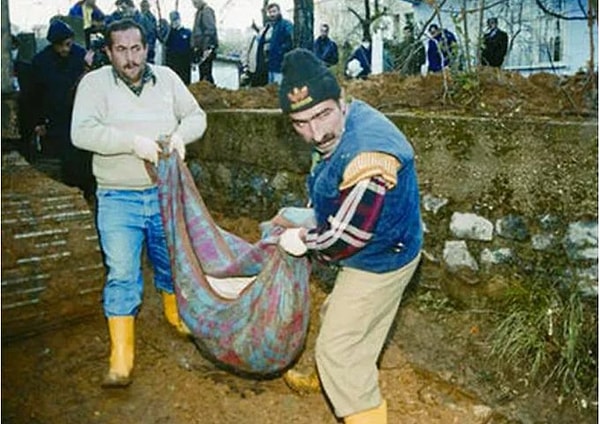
<point>581,7</point>
<point>355,13</point>
<point>554,14</point>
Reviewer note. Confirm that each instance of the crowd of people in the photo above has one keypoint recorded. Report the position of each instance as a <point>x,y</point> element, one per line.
<point>436,51</point>
<point>362,187</point>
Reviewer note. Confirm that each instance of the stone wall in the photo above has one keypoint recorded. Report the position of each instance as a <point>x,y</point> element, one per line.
<point>497,194</point>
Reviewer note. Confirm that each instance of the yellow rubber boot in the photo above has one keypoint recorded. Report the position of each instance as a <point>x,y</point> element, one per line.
<point>172,313</point>
<point>121,330</point>
<point>302,383</point>
<point>370,416</point>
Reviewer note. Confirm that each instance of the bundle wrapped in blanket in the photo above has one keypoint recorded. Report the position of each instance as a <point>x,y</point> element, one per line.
<point>247,304</point>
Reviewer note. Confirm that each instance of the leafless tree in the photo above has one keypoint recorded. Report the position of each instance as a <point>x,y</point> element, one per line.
<point>367,19</point>
<point>589,14</point>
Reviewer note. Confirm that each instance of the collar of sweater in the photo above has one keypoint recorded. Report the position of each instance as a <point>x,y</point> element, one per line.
<point>147,76</point>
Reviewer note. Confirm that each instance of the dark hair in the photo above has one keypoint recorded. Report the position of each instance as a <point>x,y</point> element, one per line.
<point>270,5</point>
<point>326,26</point>
<point>123,25</point>
<point>494,20</point>
<point>408,27</point>
<point>433,26</point>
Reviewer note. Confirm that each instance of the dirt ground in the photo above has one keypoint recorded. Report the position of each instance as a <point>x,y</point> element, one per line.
<point>488,92</point>
<point>55,379</point>
<point>434,368</point>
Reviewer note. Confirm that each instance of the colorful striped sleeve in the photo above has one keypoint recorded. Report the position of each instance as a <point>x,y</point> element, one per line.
<point>346,232</point>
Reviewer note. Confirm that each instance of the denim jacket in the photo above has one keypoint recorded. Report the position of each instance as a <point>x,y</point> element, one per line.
<point>398,235</point>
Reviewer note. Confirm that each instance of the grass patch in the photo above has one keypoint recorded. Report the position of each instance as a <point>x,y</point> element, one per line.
<point>550,333</point>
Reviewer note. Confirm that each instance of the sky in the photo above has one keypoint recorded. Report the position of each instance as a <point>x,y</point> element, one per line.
<point>230,13</point>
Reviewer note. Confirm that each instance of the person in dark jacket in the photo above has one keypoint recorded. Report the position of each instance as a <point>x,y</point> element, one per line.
<point>125,9</point>
<point>441,48</point>
<point>204,40</point>
<point>179,49</point>
<point>358,64</point>
<point>325,48</point>
<point>150,24</point>
<point>279,39</point>
<point>409,53</point>
<point>495,44</point>
<point>56,72</point>
<point>97,45</point>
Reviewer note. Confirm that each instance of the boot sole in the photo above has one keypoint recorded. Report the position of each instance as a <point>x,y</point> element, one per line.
<point>112,382</point>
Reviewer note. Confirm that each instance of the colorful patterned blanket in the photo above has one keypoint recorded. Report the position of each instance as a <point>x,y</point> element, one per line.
<point>261,331</point>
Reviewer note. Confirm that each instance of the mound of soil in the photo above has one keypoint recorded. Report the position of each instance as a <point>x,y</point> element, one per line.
<point>488,92</point>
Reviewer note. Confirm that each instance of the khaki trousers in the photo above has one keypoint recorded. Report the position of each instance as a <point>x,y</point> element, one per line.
<point>356,319</point>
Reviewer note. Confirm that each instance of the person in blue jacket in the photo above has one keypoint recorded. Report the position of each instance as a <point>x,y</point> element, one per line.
<point>441,48</point>
<point>125,9</point>
<point>150,24</point>
<point>178,48</point>
<point>358,64</point>
<point>325,48</point>
<point>279,40</point>
<point>56,71</point>
<point>364,192</point>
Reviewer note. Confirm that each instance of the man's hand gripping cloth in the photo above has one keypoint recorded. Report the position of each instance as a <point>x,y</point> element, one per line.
<point>263,330</point>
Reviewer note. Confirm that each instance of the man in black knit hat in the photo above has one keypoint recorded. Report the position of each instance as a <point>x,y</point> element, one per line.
<point>56,71</point>
<point>364,192</point>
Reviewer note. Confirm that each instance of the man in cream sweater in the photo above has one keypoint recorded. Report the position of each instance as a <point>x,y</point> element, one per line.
<point>120,111</point>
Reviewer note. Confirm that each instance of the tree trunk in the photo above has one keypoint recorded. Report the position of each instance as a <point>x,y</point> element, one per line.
<point>6,47</point>
<point>591,14</point>
<point>304,14</point>
<point>480,32</point>
<point>464,15</point>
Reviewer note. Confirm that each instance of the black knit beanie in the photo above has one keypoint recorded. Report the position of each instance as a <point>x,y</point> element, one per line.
<point>59,32</point>
<point>306,82</point>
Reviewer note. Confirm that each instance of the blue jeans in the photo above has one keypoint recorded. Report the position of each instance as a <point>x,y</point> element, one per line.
<point>127,219</point>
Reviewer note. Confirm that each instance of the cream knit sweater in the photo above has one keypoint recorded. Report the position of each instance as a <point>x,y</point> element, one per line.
<point>107,116</point>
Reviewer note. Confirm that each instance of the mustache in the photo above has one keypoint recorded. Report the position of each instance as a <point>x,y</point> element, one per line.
<point>325,139</point>
<point>131,65</point>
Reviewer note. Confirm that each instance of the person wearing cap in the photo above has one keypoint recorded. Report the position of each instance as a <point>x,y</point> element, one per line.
<point>178,48</point>
<point>364,191</point>
<point>120,114</point>
<point>204,39</point>
<point>495,45</point>
<point>55,73</point>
